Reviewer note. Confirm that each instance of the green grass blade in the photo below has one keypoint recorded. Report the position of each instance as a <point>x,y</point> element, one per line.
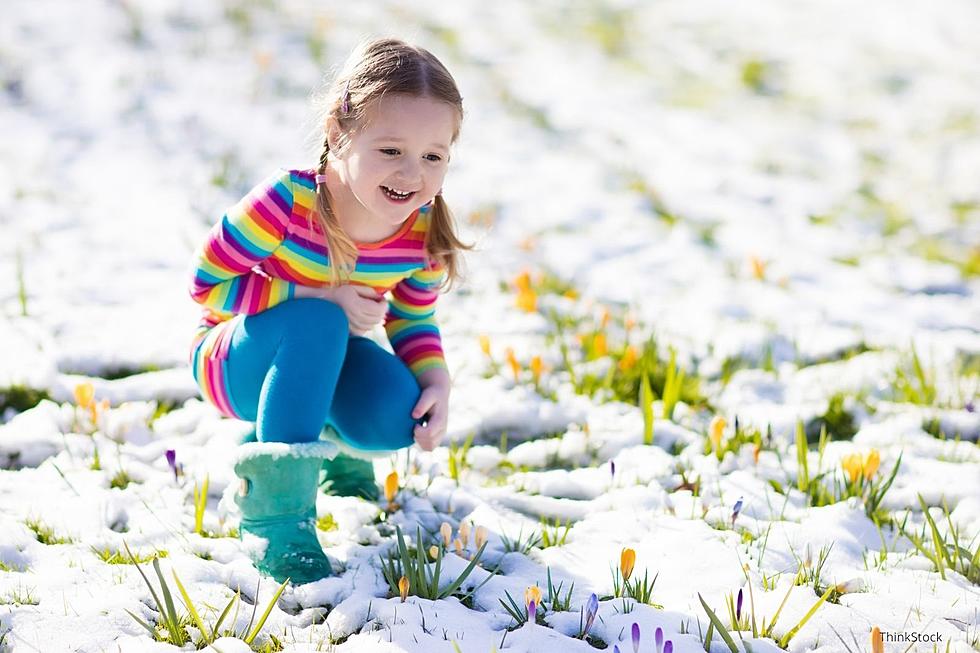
<point>153,633</point>
<point>191,609</point>
<point>718,625</point>
<point>784,642</point>
<point>462,577</point>
<point>265,615</point>
<point>224,613</point>
<point>646,404</point>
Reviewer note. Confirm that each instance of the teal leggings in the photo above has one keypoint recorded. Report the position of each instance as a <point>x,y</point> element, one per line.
<point>295,368</point>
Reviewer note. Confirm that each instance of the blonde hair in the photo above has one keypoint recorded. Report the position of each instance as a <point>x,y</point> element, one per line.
<point>375,68</point>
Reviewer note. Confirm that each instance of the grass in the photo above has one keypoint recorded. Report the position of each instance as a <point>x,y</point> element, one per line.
<point>45,534</point>
<point>21,397</point>
<point>423,579</point>
<point>172,628</point>
<point>19,595</point>
<point>111,557</point>
<point>946,551</point>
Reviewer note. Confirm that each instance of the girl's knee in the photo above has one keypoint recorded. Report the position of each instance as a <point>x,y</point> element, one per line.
<point>317,311</point>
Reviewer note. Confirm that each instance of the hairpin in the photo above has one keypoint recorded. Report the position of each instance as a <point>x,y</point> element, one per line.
<point>321,179</point>
<point>345,107</point>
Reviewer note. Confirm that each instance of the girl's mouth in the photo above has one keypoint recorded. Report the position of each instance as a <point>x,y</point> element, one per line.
<point>396,197</point>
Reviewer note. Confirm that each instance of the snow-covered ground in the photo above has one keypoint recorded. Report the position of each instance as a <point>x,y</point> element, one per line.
<point>788,190</point>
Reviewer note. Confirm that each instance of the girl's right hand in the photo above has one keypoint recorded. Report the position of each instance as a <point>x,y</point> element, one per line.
<point>364,308</point>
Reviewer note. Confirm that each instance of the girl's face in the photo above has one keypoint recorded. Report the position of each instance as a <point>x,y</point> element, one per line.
<point>397,161</point>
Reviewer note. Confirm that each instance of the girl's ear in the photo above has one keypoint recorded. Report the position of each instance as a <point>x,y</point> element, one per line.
<point>332,128</point>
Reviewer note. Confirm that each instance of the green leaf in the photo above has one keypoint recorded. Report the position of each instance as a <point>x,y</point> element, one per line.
<point>718,625</point>
<point>265,615</point>
<point>192,610</point>
<point>646,404</point>
<point>784,642</point>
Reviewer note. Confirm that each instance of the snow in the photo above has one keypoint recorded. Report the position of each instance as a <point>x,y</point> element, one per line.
<point>130,126</point>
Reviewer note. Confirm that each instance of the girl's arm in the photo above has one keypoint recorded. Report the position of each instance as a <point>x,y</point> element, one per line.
<point>411,324</point>
<point>223,277</point>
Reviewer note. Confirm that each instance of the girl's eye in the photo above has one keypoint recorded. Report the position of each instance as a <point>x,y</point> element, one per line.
<point>434,157</point>
<point>389,151</point>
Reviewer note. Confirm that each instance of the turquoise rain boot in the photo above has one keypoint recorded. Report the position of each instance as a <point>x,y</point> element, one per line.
<point>277,497</point>
<point>350,473</point>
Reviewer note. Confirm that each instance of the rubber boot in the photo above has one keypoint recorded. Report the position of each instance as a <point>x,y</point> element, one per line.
<point>344,476</point>
<point>277,498</point>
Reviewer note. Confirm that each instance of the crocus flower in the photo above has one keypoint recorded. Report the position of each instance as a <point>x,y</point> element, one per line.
<point>737,509</point>
<point>599,346</point>
<point>969,407</point>
<point>738,606</point>
<point>715,430</point>
<point>447,533</point>
<point>756,450</point>
<point>84,395</point>
<point>485,344</point>
<point>172,462</point>
<point>669,647</point>
<point>527,300</point>
<point>532,595</point>
<point>658,639</point>
<point>480,538</point>
<point>626,561</point>
<point>464,533</point>
<point>536,366</point>
<point>403,586</point>
<point>877,644</point>
<point>629,359</point>
<point>433,552</point>
<point>615,648</point>
<point>605,318</point>
<point>458,545</point>
<point>871,462</point>
<point>612,469</point>
<point>391,486</point>
<point>523,280</point>
<point>515,367</point>
<point>636,637</point>
<point>532,611</point>
<point>591,609</point>
<point>758,267</point>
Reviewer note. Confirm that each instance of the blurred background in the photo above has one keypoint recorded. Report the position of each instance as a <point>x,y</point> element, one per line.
<point>784,181</point>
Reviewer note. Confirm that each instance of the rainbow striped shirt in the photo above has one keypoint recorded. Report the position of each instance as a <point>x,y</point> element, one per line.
<point>265,245</point>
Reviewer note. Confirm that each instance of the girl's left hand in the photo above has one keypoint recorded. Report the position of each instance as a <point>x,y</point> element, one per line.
<point>435,402</point>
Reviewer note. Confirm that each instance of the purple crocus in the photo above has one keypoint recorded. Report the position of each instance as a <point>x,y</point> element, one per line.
<point>591,609</point>
<point>737,509</point>
<point>669,647</point>
<point>658,638</point>
<point>612,469</point>
<point>172,462</point>
<point>636,637</point>
<point>532,610</point>
<point>738,606</point>
<point>969,407</point>
<point>615,648</point>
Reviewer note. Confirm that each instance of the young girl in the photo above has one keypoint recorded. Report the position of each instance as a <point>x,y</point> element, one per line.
<point>297,271</point>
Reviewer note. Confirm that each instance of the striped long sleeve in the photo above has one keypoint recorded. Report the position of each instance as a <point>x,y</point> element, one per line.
<point>226,277</point>
<point>410,322</point>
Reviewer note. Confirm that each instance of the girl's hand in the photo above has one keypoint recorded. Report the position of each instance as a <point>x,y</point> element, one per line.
<point>435,402</point>
<point>364,308</point>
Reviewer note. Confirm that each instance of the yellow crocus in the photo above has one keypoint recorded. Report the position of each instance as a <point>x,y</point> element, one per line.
<point>852,464</point>
<point>629,359</point>
<point>536,366</point>
<point>485,344</point>
<point>403,586</point>
<point>391,486</point>
<point>715,431</point>
<point>447,533</point>
<point>515,367</point>
<point>571,293</point>
<point>877,642</point>
<point>599,347</point>
<point>84,395</point>
<point>871,463</point>
<point>523,281</point>
<point>532,593</point>
<point>433,552</point>
<point>527,301</point>
<point>464,533</point>
<point>458,545</point>
<point>480,538</point>
<point>758,267</point>
<point>605,319</point>
<point>626,561</point>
